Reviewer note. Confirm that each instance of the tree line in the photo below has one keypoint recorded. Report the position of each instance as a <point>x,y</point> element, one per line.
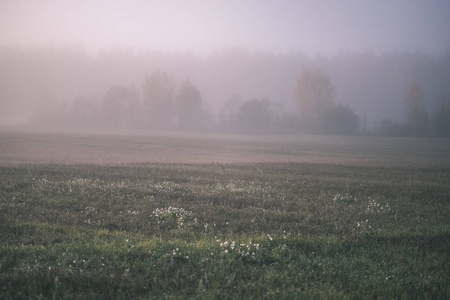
<point>160,105</point>
<point>232,91</point>
<point>418,120</point>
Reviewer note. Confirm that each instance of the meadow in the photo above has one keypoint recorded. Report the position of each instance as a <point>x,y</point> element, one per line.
<point>166,216</point>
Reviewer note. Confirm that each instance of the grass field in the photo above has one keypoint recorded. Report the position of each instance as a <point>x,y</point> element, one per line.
<point>175,217</point>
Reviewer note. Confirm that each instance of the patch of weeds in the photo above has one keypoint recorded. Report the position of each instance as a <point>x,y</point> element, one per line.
<point>353,216</point>
<point>174,217</point>
<point>378,208</point>
<point>345,199</point>
<point>364,227</point>
<point>248,249</point>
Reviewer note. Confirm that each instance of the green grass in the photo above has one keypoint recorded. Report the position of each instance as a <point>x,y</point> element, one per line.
<point>359,223</point>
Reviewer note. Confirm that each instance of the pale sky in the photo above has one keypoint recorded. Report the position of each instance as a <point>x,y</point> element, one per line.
<point>281,26</point>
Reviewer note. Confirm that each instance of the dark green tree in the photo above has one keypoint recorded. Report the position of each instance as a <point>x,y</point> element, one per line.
<point>189,114</point>
<point>338,120</point>
<point>83,113</point>
<point>315,98</point>
<point>441,119</point>
<point>255,116</point>
<point>313,94</point>
<point>416,115</point>
<point>158,91</point>
<point>120,107</point>
<point>228,114</point>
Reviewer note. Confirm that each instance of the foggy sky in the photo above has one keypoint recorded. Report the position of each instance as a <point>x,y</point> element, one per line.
<point>313,27</point>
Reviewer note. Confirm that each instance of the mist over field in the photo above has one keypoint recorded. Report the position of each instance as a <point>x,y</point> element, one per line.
<point>250,67</point>
<point>224,149</point>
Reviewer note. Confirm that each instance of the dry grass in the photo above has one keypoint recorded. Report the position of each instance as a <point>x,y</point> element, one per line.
<point>106,149</point>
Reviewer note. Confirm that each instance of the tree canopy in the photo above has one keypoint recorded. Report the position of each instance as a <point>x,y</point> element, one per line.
<point>416,115</point>
<point>314,93</point>
<point>158,92</point>
<point>188,106</point>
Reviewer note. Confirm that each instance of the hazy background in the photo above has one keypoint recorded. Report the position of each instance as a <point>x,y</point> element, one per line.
<point>64,57</point>
<point>323,26</point>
